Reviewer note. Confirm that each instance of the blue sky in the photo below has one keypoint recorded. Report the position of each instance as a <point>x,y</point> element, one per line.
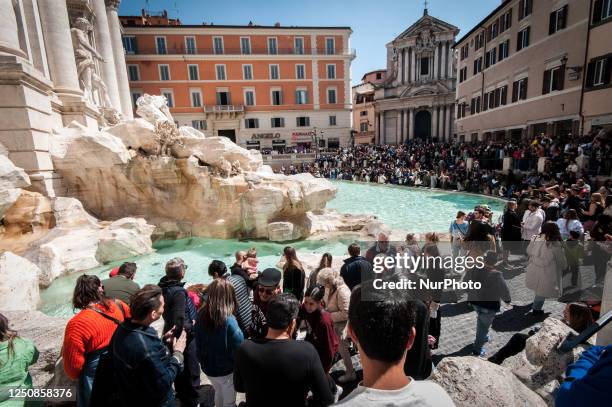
<point>374,22</point>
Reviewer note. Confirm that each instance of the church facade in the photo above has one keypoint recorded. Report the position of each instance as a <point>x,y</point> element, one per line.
<point>417,100</point>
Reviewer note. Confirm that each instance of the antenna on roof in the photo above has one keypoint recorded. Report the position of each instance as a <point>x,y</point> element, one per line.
<point>425,9</point>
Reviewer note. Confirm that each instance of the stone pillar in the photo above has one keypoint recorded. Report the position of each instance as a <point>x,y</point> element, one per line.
<point>104,46</point>
<point>411,125</point>
<point>38,54</point>
<point>383,124</point>
<point>376,127</point>
<point>9,31</point>
<point>443,63</point>
<point>400,67</point>
<point>413,66</point>
<point>58,42</point>
<point>402,126</point>
<point>436,59</point>
<point>506,164</point>
<point>434,122</point>
<point>449,123</point>
<point>119,55</point>
<point>407,66</point>
<point>451,51</point>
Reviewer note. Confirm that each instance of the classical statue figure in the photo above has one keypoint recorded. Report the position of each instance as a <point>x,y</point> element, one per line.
<point>153,108</point>
<point>84,54</point>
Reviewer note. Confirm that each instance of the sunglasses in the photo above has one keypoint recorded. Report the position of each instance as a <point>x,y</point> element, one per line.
<point>269,291</point>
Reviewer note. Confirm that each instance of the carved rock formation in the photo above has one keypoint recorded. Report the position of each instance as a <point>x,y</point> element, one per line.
<point>19,287</point>
<point>209,187</point>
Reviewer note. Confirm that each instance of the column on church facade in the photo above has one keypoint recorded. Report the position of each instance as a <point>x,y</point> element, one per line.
<point>38,55</point>
<point>123,85</point>
<point>411,125</point>
<point>376,127</point>
<point>435,62</point>
<point>406,67</point>
<point>402,126</point>
<point>9,31</point>
<point>383,124</point>
<point>104,46</point>
<point>58,43</point>
<point>450,61</point>
<point>434,122</point>
<point>413,66</point>
<point>449,123</point>
<point>441,123</point>
<point>443,64</point>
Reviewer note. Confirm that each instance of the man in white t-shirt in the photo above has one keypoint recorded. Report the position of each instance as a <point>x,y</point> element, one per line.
<point>381,324</point>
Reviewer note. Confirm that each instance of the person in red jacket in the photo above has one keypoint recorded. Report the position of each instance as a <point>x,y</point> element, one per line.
<point>319,325</point>
<point>89,332</point>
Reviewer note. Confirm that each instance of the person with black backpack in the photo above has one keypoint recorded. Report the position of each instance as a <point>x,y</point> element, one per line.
<point>180,314</point>
<point>139,370</point>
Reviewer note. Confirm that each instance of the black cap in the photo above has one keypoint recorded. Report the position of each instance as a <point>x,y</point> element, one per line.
<point>270,277</point>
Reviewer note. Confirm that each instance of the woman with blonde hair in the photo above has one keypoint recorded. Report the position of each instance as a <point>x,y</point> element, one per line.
<point>336,299</point>
<point>218,336</point>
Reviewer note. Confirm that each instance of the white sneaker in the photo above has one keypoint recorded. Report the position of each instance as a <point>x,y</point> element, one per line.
<point>347,377</point>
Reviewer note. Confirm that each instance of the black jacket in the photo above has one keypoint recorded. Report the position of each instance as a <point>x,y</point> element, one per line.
<point>511,227</point>
<point>178,308</point>
<point>354,269</point>
<point>144,371</point>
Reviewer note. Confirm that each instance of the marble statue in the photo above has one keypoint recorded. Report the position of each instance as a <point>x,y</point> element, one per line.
<point>86,66</point>
<point>153,108</point>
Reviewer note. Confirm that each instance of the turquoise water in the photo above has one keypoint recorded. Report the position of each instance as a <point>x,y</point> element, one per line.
<point>407,209</point>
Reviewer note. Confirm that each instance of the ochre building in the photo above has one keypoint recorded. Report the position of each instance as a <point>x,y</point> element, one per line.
<point>264,87</point>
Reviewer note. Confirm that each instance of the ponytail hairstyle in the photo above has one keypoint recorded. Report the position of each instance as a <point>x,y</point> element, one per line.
<point>7,335</point>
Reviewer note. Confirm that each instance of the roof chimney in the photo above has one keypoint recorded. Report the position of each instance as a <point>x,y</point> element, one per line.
<point>277,24</point>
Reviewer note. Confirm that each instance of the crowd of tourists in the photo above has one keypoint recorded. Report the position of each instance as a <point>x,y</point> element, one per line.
<point>274,334</point>
<point>278,334</point>
<point>445,164</point>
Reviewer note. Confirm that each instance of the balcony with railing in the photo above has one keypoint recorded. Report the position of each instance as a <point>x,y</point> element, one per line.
<point>183,50</point>
<point>229,111</point>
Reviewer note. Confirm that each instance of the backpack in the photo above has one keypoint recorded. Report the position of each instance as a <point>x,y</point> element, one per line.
<point>103,391</point>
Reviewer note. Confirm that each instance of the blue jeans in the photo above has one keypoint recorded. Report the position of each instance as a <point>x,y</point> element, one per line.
<point>538,303</point>
<point>86,378</point>
<point>484,320</point>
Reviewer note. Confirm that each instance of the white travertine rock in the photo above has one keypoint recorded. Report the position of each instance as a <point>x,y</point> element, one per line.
<point>283,232</point>
<point>12,179</point>
<point>330,220</point>
<point>64,250</point>
<point>124,238</point>
<point>80,242</point>
<point>153,108</point>
<point>19,286</point>
<point>136,134</point>
<point>32,211</point>
<point>219,152</point>
<point>190,132</point>
<point>471,381</point>
<point>540,366</point>
<point>69,212</point>
<point>210,187</point>
<point>78,146</point>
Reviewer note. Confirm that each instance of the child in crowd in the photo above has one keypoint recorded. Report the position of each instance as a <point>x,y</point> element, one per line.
<point>251,263</point>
